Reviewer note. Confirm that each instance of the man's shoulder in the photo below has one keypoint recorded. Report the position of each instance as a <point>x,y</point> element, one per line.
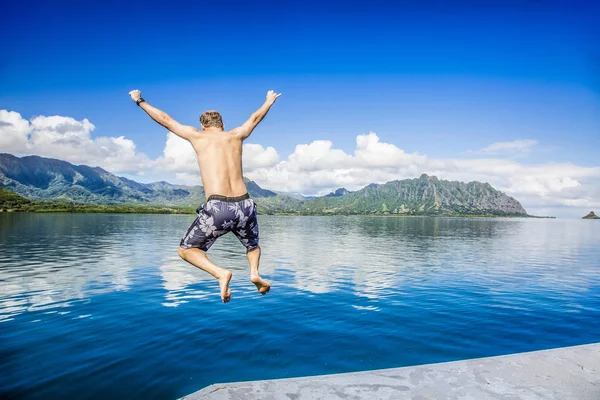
<point>235,133</point>
<point>218,137</point>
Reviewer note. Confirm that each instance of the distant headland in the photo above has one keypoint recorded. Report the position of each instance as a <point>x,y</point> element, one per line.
<point>591,215</point>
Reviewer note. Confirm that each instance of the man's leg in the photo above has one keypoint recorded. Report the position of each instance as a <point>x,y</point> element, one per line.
<point>254,259</point>
<point>198,258</point>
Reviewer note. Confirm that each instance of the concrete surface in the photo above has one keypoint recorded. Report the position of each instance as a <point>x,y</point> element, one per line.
<point>565,373</point>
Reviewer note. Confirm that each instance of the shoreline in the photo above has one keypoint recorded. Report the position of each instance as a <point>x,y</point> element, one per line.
<point>167,211</point>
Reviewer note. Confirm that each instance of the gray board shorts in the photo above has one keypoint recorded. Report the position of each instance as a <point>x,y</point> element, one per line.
<point>220,215</point>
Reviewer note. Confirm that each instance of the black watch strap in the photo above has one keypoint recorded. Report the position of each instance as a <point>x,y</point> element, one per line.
<point>140,100</point>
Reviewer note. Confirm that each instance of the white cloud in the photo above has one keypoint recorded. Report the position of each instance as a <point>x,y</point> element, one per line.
<point>256,156</point>
<point>515,148</point>
<point>14,132</point>
<point>70,140</point>
<point>317,156</point>
<point>178,155</point>
<point>372,153</point>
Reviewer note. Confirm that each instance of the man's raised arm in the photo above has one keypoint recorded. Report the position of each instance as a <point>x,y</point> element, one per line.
<point>245,130</point>
<point>163,118</point>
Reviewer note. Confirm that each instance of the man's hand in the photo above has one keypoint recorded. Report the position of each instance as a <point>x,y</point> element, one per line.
<point>272,96</point>
<point>135,95</point>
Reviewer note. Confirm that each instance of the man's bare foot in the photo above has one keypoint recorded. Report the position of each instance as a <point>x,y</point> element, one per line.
<point>224,285</point>
<point>262,285</point>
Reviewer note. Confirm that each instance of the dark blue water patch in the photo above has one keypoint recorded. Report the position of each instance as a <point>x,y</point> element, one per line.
<point>133,321</point>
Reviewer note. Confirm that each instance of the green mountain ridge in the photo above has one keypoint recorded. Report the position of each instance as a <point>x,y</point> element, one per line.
<point>426,195</point>
<point>44,179</point>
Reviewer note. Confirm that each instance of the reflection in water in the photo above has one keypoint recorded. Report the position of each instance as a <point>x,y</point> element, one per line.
<point>179,280</point>
<point>48,261</point>
<point>379,255</point>
<point>110,294</point>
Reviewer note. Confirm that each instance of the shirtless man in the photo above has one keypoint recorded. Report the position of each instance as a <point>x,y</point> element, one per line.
<point>228,206</point>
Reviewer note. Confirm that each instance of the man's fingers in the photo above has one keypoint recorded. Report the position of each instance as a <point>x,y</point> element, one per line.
<point>272,94</point>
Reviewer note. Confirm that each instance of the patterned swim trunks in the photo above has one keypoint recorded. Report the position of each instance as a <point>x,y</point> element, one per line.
<point>220,215</point>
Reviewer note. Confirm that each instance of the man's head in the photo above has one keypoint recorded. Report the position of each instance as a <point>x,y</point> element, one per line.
<point>211,119</point>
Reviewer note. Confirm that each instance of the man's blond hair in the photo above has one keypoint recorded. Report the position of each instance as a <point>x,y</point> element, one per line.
<point>211,119</point>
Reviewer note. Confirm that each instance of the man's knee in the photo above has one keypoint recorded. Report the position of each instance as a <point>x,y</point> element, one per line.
<point>181,251</point>
<point>253,250</point>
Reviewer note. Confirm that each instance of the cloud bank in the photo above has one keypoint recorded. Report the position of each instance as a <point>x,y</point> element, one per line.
<point>68,139</point>
<point>314,168</point>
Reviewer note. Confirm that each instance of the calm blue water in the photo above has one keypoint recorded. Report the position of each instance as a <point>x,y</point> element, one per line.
<point>99,306</point>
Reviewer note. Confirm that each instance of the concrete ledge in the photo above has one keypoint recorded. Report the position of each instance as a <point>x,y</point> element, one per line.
<point>561,374</point>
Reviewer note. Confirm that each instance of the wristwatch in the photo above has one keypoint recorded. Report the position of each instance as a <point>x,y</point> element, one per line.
<point>140,100</point>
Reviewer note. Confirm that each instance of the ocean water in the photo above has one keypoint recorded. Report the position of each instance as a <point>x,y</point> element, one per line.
<point>99,306</point>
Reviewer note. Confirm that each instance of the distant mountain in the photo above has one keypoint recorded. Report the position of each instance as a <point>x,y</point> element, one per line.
<point>339,192</point>
<point>591,215</point>
<point>39,178</point>
<point>256,191</point>
<point>426,195</point>
<point>296,196</point>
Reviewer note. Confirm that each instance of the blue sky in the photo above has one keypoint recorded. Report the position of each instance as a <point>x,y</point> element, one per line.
<point>441,78</point>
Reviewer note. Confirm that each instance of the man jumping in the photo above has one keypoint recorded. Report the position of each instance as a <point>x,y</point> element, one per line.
<point>228,206</point>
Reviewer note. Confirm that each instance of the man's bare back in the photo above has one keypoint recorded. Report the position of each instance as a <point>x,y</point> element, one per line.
<point>228,207</point>
<point>220,161</point>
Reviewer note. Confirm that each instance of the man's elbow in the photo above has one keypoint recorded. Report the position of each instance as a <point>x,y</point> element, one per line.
<point>165,121</point>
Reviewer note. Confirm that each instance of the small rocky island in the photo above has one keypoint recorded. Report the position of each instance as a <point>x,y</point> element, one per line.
<point>591,215</point>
